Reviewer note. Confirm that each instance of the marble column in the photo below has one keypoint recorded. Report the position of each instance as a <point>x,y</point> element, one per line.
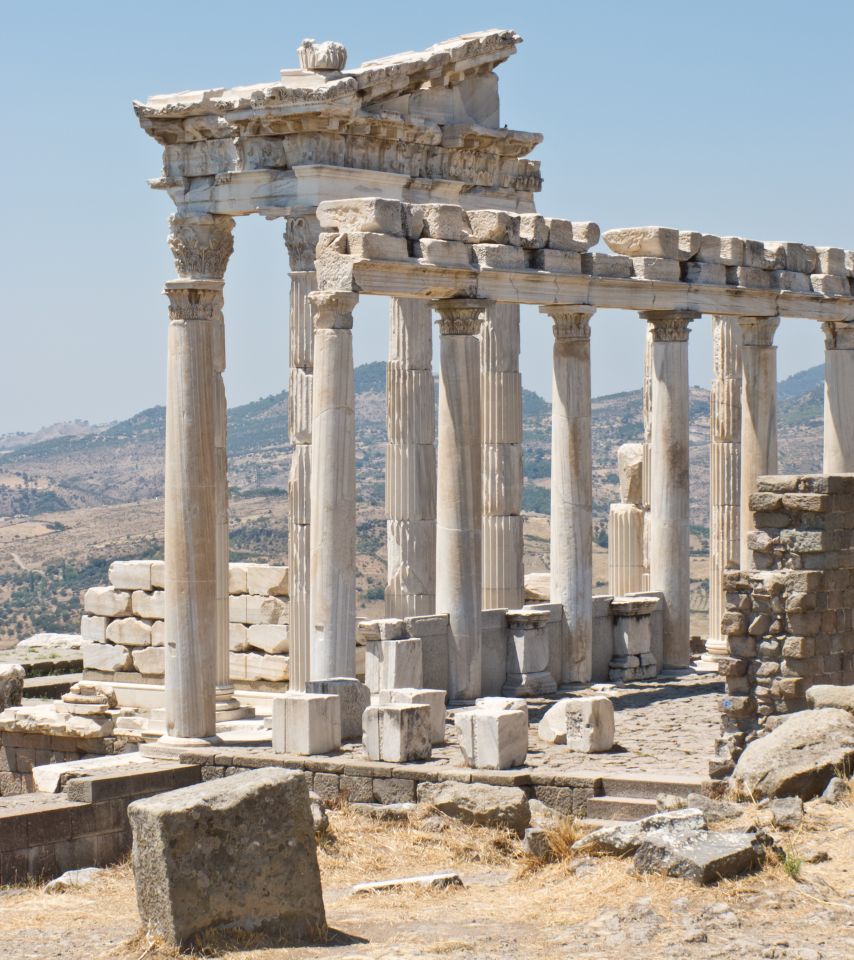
<point>410,483</point>
<point>571,550</point>
<point>838,397</point>
<point>333,488</point>
<point>501,427</point>
<point>758,415</point>
<point>300,237</point>
<point>459,573</point>
<point>646,469</point>
<point>724,472</point>
<point>194,498</point>
<point>669,554</point>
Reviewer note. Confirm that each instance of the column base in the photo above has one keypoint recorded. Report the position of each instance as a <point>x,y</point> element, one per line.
<point>167,741</point>
<point>529,684</point>
<point>228,707</point>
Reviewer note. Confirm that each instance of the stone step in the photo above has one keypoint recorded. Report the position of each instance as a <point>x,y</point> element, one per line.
<point>49,687</point>
<point>648,786</point>
<point>619,808</point>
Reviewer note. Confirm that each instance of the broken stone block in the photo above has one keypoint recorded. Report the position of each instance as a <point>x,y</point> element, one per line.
<point>536,844</point>
<point>830,260</point>
<point>503,703</point>
<point>391,664</point>
<point>377,246</point>
<point>384,628</point>
<point>705,273</point>
<point>787,812</point>
<point>367,215</point>
<point>479,803</point>
<point>234,853</point>
<point>150,661</point>
<point>656,268</point>
<point>443,253</point>
<point>557,261</point>
<point>494,226</point>
<point>533,232</point>
<point>93,629</point>
<point>689,244</point>
<point>630,471</point>
<point>586,233</point>
<point>790,280</point>
<point>433,881</point>
<point>836,791</point>
<point>237,579</point>
<point>251,609</point>
<point>129,632</point>
<point>644,242</point>
<point>753,277</point>
<point>106,657</point>
<point>355,698</point>
<point>829,285</point>
<point>397,732</point>
<point>307,724</point>
<point>435,700</point>
<point>107,602</point>
<point>584,724</point>
<point>264,579</point>
<point>493,739</point>
<point>158,633</point>
<point>561,236</point>
<point>627,837</point>
<point>269,637</point>
<point>131,574</point>
<point>497,256</point>
<point>605,265</point>
<point>702,857</point>
<point>238,637</point>
<point>149,605</point>
<point>443,221</point>
<point>11,684</point>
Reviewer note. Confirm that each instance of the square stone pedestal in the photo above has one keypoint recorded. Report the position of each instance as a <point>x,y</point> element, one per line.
<point>397,732</point>
<point>393,664</point>
<point>355,698</point>
<point>306,723</point>
<point>528,654</point>
<point>633,658</point>
<point>435,700</point>
<point>493,739</point>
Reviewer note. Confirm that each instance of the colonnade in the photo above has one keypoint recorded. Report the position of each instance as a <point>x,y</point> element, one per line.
<point>454,507</point>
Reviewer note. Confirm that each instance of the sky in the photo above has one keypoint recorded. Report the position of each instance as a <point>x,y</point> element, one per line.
<point>730,117</point>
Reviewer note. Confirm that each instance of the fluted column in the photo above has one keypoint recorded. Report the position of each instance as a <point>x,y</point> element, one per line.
<point>725,472</point>
<point>333,489</point>
<point>758,414</point>
<point>459,492</point>
<point>669,553</point>
<point>410,482</point>
<point>195,501</point>
<point>838,397</point>
<point>300,237</point>
<point>646,469</point>
<point>571,550</point>
<point>501,425</point>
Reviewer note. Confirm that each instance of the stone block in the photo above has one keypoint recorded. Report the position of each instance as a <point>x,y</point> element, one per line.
<point>443,221</point>
<point>234,853</point>
<point>502,703</point>
<point>237,574</point>
<point>533,232</point>
<point>434,699</point>
<point>131,574</point>
<point>656,268</point>
<point>495,226</point>
<point>238,638</point>
<point>497,256</point>
<point>307,724</point>
<point>753,277</point>
<point>632,629</point>
<point>366,215</point>
<point>584,724</point>
<point>150,605</point>
<point>385,628</point>
<point>479,803</point>
<point>830,260</point>
<point>397,790</point>
<point>106,657</point>
<point>107,602</point>
<point>158,633</point>
<point>704,273</point>
<point>377,246</point>
<point>443,253</point>
<point>644,242</point>
<point>605,265</point>
<point>129,632</point>
<point>150,661</point>
<point>528,653</point>
<point>251,609</point>
<point>158,574</point>
<point>791,280</point>
<point>269,637</point>
<point>264,579</point>
<point>493,739</point>
<point>390,664</point>
<point>93,629</point>
<point>355,698</point>
<point>557,261</point>
<point>397,733</point>
<point>830,285</point>
<point>689,244</point>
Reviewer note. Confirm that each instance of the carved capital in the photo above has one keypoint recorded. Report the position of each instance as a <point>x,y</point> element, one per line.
<point>669,326</point>
<point>569,322</point>
<point>460,317</point>
<point>332,311</point>
<point>838,335</point>
<point>301,235</point>
<point>758,331</point>
<point>194,302</point>
<point>201,245</point>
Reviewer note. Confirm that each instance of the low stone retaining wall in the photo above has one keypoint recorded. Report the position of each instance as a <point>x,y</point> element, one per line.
<point>789,621</point>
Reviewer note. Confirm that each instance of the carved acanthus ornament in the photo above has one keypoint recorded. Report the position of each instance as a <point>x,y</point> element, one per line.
<point>301,235</point>
<point>838,335</point>
<point>669,326</point>
<point>460,317</point>
<point>201,245</point>
<point>570,322</point>
<point>194,303</point>
<point>332,311</point>
<point>758,331</point>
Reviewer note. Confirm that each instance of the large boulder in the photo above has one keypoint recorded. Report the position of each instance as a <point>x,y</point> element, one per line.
<point>827,695</point>
<point>479,803</point>
<point>799,757</point>
<point>236,853</point>
<point>11,685</point>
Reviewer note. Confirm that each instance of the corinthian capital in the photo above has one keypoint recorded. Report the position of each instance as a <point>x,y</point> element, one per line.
<point>190,302</point>
<point>332,311</point>
<point>301,235</point>
<point>569,321</point>
<point>838,335</point>
<point>758,331</point>
<point>460,317</point>
<point>201,245</point>
<point>669,326</point>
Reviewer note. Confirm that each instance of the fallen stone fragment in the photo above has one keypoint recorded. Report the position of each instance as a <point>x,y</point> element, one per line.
<point>236,853</point>
<point>836,791</point>
<point>433,881</point>
<point>714,810</point>
<point>787,812</point>
<point>799,757</point>
<point>659,242</point>
<point>584,724</point>
<point>700,856</point>
<point>479,803</point>
<point>627,837</point>
<point>828,695</point>
<point>318,813</point>
<point>384,811</point>
<point>11,685</point>
<point>72,879</point>
<point>536,844</point>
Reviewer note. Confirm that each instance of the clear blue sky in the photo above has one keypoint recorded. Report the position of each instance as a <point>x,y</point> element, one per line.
<point>728,117</point>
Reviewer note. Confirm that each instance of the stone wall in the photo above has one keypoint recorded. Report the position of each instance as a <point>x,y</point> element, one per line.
<point>124,630</point>
<point>789,621</point>
<point>20,752</point>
